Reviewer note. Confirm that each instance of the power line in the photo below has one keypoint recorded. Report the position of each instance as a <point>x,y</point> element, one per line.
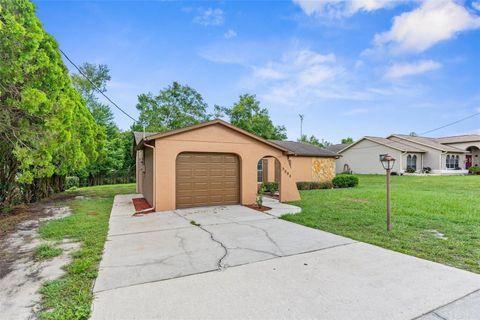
<point>95,87</point>
<point>452,123</point>
<point>429,131</point>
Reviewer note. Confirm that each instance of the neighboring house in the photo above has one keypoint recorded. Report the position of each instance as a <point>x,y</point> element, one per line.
<point>216,163</point>
<point>449,155</point>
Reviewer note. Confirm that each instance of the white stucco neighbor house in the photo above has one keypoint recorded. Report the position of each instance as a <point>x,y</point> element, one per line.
<point>445,156</point>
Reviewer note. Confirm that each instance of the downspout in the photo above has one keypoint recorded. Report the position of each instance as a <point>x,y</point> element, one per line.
<point>154,182</point>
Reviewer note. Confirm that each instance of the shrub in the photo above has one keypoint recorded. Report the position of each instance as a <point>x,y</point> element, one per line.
<point>427,169</point>
<point>345,181</point>
<point>410,170</point>
<point>269,186</point>
<point>72,182</point>
<point>312,185</point>
<point>474,169</point>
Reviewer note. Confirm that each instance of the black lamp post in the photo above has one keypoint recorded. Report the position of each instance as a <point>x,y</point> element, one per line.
<point>387,162</point>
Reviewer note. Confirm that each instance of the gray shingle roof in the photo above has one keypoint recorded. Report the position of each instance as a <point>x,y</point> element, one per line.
<point>429,142</point>
<point>395,144</point>
<point>337,147</point>
<point>139,136</point>
<point>304,149</point>
<point>459,139</point>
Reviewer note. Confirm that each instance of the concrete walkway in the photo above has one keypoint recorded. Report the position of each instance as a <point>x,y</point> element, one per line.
<point>237,263</point>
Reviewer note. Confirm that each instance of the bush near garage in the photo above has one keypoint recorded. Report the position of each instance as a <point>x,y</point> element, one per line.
<point>345,181</point>
<point>270,186</point>
<point>312,185</point>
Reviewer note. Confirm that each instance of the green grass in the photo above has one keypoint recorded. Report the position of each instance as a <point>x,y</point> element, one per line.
<point>46,251</point>
<point>70,297</point>
<point>450,205</point>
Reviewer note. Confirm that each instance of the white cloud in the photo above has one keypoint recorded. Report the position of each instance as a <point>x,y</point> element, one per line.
<point>297,78</point>
<point>399,70</point>
<point>210,17</point>
<point>432,22</point>
<point>341,8</point>
<point>230,34</point>
<point>476,5</point>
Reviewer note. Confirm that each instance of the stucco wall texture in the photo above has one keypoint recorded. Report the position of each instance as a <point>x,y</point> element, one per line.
<point>221,139</point>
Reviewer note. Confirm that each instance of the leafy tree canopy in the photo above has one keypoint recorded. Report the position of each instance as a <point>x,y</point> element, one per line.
<point>116,152</point>
<point>250,116</point>
<point>177,106</point>
<point>45,127</point>
<point>314,140</point>
<point>347,140</point>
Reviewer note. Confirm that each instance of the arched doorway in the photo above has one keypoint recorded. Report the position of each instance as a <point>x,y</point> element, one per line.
<point>269,176</point>
<point>472,158</point>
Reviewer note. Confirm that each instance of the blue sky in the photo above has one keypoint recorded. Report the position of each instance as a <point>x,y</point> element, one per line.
<point>368,67</point>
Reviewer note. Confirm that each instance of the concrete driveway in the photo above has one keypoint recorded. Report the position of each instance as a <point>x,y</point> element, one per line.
<point>236,263</point>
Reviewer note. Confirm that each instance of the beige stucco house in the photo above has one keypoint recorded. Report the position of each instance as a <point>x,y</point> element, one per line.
<point>216,163</point>
<point>445,156</point>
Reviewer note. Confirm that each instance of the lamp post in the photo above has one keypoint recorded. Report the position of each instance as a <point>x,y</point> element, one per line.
<point>387,162</point>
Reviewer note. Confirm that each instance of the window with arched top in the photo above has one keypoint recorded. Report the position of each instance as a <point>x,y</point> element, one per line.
<point>457,162</point>
<point>412,162</point>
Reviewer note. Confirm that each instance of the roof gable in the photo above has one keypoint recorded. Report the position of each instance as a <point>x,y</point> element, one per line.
<point>427,142</point>
<point>386,143</point>
<point>210,123</point>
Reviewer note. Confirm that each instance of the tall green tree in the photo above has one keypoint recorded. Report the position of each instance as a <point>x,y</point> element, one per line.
<point>45,128</point>
<point>176,106</point>
<point>348,140</point>
<point>314,141</point>
<point>247,114</point>
<point>113,153</point>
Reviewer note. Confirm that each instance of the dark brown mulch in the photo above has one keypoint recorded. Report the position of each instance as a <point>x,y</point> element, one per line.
<point>255,207</point>
<point>141,204</point>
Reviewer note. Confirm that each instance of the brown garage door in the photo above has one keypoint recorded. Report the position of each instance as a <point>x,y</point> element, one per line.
<point>204,179</point>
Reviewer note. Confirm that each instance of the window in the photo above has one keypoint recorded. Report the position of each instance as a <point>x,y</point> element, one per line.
<point>412,162</point>
<point>452,162</point>
<point>260,171</point>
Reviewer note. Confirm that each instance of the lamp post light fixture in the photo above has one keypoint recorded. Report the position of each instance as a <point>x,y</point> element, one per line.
<point>387,162</point>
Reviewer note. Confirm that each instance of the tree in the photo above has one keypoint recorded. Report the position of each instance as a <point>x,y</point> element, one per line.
<point>314,141</point>
<point>347,140</point>
<point>112,156</point>
<point>177,106</point>
<point>250,116</point>
<point>45,128</point>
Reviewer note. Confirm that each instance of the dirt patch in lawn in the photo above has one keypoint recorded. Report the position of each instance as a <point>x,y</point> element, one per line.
<point>21,213</point>
<point>21,273</point>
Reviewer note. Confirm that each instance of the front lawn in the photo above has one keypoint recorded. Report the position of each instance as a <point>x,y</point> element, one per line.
<point>423,208</point>
<point>70,297</point>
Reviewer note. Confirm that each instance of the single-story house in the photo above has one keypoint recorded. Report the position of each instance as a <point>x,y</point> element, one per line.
<point>448,155</point>
<point>216,163</point>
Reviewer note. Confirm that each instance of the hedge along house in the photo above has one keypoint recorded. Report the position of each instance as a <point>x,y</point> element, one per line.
<point>212,163</point>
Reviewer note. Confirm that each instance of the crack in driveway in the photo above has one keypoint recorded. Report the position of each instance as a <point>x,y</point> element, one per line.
<point>266,235</point>
<point>225,249</point>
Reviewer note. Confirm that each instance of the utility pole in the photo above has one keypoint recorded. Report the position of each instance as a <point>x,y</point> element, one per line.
<point>301,125</point>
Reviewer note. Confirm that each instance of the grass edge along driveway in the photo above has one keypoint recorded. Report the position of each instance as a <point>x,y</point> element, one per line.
<point>433,217</point>
<point>70,297</point>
